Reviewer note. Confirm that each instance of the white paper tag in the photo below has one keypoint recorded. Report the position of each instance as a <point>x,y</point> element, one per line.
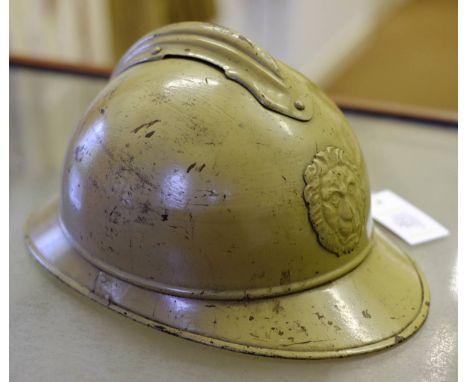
<point>404,219</point>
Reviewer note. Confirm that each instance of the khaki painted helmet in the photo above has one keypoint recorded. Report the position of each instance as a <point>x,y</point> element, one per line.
<point>213,192</point>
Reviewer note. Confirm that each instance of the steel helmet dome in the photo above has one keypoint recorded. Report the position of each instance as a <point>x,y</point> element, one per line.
<point>215,193</point>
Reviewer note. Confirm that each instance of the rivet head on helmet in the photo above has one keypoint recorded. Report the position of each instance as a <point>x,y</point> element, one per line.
<point>299,105</point>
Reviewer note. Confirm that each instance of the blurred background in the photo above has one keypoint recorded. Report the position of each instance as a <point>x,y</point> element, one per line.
<point>400,51</point>
<point>397,55</point>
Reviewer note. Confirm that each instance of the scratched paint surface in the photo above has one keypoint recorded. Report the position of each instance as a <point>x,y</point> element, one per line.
<point>174,174</point>
<point>183,206</point>
<point>44,345</point>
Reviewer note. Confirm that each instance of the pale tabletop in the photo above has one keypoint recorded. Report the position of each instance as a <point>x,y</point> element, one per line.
<point>58,335</point>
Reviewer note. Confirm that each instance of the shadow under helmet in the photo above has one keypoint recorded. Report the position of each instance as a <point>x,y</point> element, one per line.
<point>212,192</point>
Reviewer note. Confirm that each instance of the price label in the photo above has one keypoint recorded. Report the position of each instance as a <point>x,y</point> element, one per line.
<point>405,220</point>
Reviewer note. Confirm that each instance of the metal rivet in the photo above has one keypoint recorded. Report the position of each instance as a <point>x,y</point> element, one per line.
<point>299,105</point>
<point>156,50</point>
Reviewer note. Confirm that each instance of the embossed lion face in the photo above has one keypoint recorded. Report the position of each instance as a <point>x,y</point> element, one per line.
<point>336,201</point>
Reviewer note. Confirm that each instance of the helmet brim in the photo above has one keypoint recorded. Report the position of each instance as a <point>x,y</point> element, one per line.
<point>380,303</point>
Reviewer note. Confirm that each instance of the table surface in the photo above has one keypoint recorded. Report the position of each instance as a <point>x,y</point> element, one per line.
<point>57,334</point>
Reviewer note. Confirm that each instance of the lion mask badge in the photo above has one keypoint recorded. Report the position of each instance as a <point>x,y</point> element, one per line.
<point>336,200</point>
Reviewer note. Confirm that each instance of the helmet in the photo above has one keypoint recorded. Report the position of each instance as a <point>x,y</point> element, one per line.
<point>212,192</point>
